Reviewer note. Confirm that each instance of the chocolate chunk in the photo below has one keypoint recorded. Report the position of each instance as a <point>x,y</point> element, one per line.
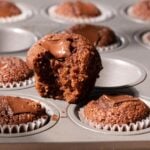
<point>78,9</point>
<point>58,48</point>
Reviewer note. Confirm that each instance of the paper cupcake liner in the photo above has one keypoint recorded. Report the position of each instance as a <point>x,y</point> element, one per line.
<point>19,84</point>
<point>111,47</point>
<point>145,38</point>
<point>130,12</point>
<point>26,13</point>
<point>139,125</point>
<point>30,126</point>
<point>105,15</point>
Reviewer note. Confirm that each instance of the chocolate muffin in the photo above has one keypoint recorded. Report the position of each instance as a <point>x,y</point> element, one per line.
<point>66,66</point>
<point>13,69</point>
<point>78,9</point>
<point>122,109</point>
<point>8,9</point>
<point>16,110</point>
<point>141,10</point>
<point>99,35</point>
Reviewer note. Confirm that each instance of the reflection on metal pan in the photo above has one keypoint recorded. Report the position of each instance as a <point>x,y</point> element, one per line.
<point>120,73</point>
<point>15,40</point>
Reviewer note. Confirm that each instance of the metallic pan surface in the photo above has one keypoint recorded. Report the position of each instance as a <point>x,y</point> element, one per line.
<point>66,134</point>
<point>15,39</point>
<point>119,73</point>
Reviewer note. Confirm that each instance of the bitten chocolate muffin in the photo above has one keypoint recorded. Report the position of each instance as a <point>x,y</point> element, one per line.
<point>99,35</point>
<point>142,10</point>
<point>78,9</point>
<point>66,66</point>
<point>16,110</point>
<point>122,109</point>
<point>13,69</point>
<point>8,9</point>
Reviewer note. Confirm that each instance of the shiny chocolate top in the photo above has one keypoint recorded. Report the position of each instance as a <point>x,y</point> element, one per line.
<point>15,105</point>
<point>110,101</point>
<point>98,35</point>
<point>58,48</point>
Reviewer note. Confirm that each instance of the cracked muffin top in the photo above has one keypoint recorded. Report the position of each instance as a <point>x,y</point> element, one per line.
<point>121,109</point>
<point>78,9</point>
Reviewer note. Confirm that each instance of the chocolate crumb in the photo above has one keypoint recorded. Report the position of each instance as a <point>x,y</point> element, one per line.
<point>54,117</point>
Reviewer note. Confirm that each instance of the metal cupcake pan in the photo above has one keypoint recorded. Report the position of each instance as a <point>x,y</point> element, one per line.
<point>51,110</point>
<point>15,39</point>
<point>120,73</point>
<point>133,58</point>
<point>139,38</point>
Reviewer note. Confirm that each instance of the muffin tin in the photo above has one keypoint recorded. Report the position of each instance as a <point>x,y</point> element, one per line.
<point>67,133</point>
<point>127,73</point>
<point>15,39</point>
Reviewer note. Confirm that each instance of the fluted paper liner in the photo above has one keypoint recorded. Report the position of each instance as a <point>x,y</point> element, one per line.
<point>110,47</point>
<point>18,84</point>
<point>30,126</point>
<point>105,15</point>
<point>130,12</point>
<point>139,125</point>
<point>25,13</point>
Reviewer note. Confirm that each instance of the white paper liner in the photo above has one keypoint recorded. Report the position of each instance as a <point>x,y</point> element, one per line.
<point>30,126</point>
<point>131,14</point>
<point>146,38</point>
<point>25,13</point>
<point>139,125</point>
<point>111,47</point>
<point>106,14</point>
<point>19,84</point>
